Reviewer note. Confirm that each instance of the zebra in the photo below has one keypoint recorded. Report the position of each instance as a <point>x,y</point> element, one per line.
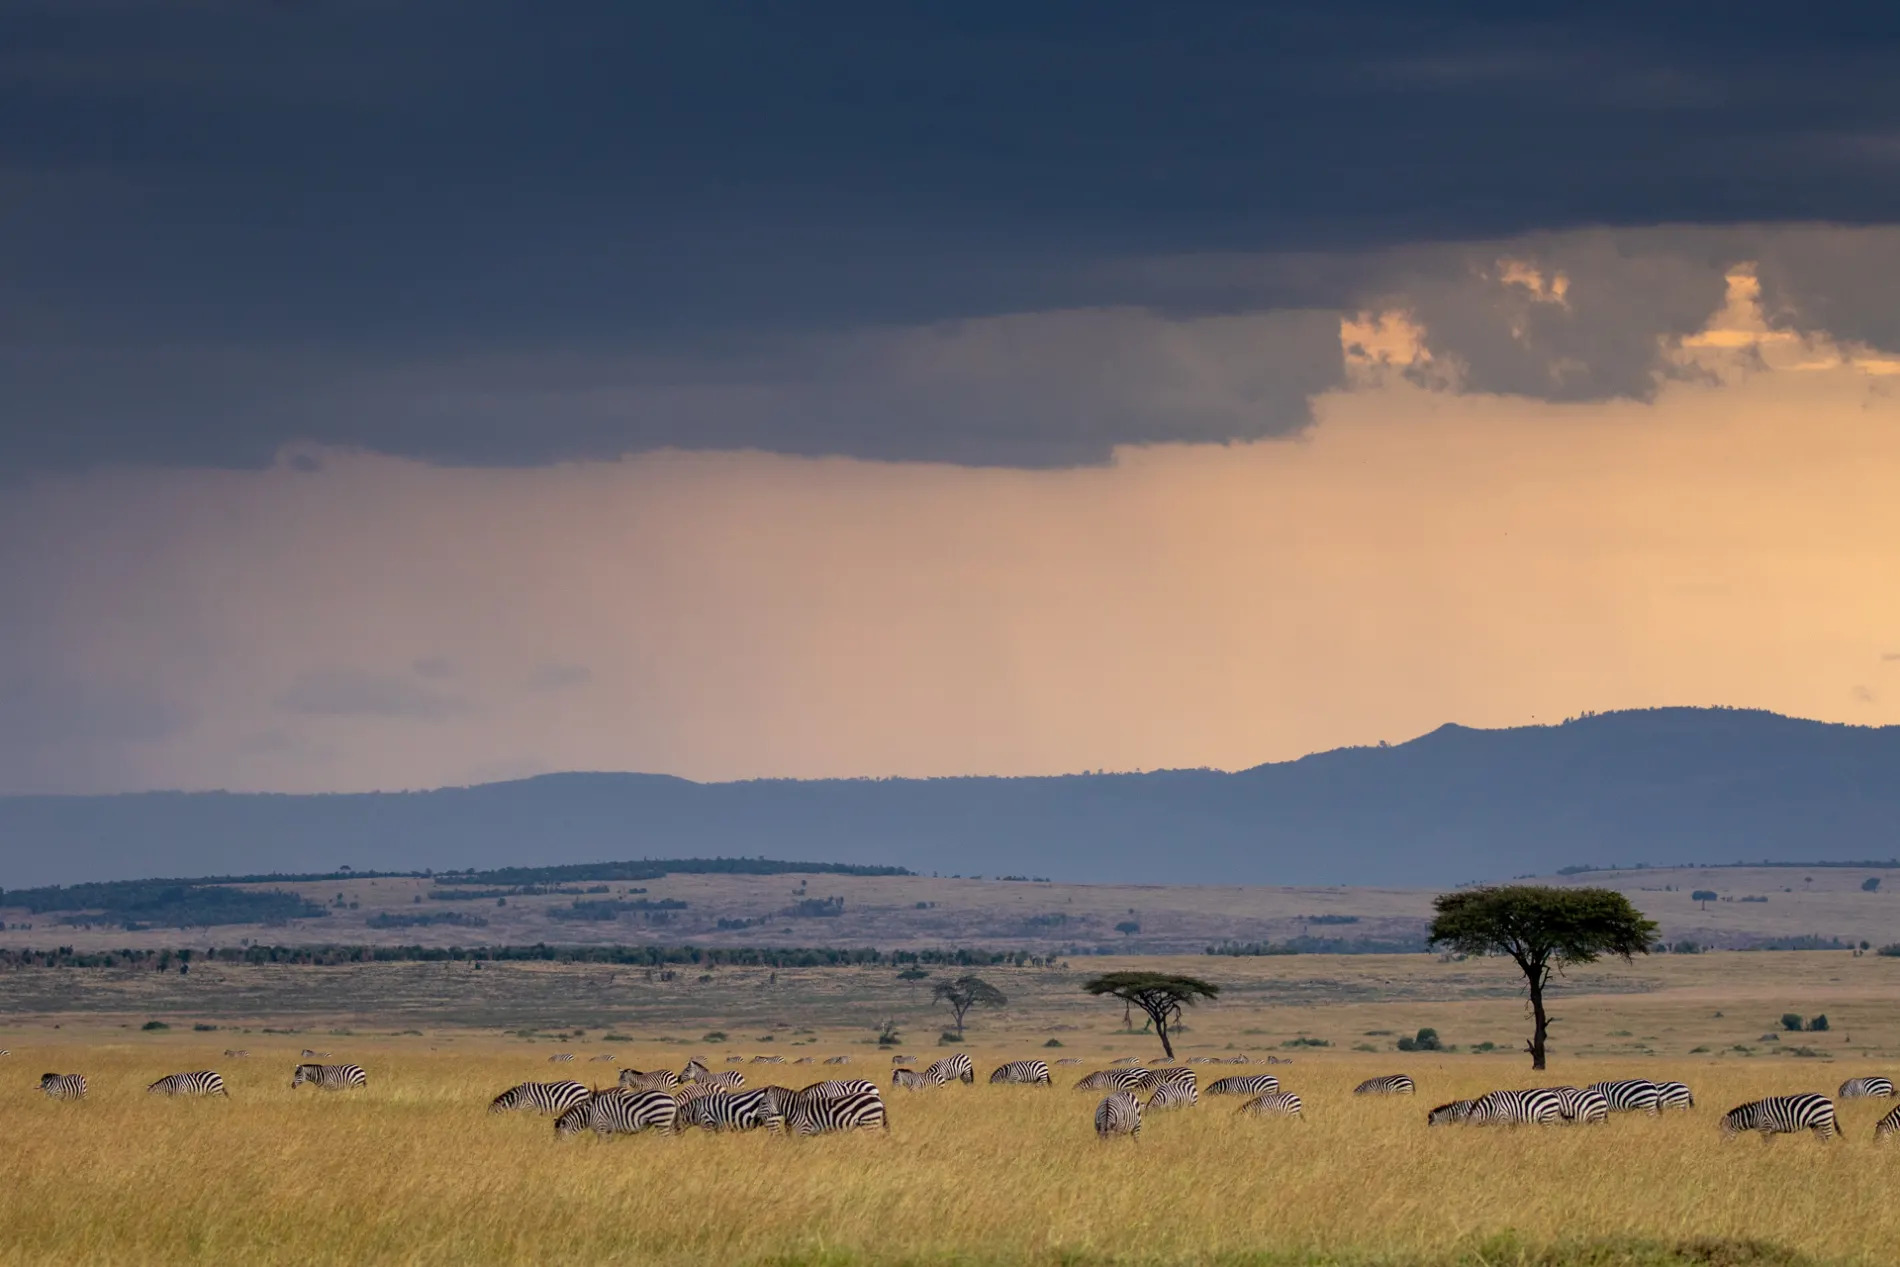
<point>911,1080</point>
<point>1176,1076</point>
<point>836,1060</point>
<point>607,1057</point>
<point>1113,1079</point>
<point>560,1057</point>
<point>1034,1073</point>
<point>658,1080</point>
<point>1249,1084</point>
<point>1584,1106</point>
<point>1631,1095</point>
<point>1126,1060</point>
<point>329,1077</point>
<point>730,1079</point>
<point>718,1111</point>
<point>543,1097</point>
<point>802,1060</point>
<point>236,1053</point>
<point>1887,1125</point>
<point>693,1071</point>
<point>1784,1115</point>
<point>1536,1104</point>
<point>735,1060</point>
<point>314,1055</point>
<point>808,1114</point>
<point>63,1086</point>
<point>1390,1084</point>
<point>955,1066</point>
<point>1456,1111</point>
<point>201,1082</point>
<point>1202,1060</point>
<point>1069,1060</point>
<point>1279,1104</point>
<point>1241,1059</point>
<point>903,1060</point>
<point>1119,1114</point>
<point>768,1060</point>
<point>618,1111</point>
<point>1866,1089</point>
<point>1173,1095</point>
<point>840,1087</point>
<point>1674,1095</point>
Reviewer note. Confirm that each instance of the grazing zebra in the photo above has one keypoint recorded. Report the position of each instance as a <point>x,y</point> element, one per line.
<point>802,1060</point>
<point>1581,1106</point>
<point>730,1079</point>
<point>658,1080</point>
<point>1119,1114</point>
<point>201,1082</point>
<point>1241,1059</point>
<point>1513,1107</point>
<point>236,1053</point>
<point>841,1086</point>
<point>911,1080</point>
<point>809,1114</point>
<point>542,1097</point>
<point>955,1066</point>
<point>718,1111</point>
<point>1126,1060</point>
<point>608,1057</point>
<point>560,1057</point>
<point>1034,1073</point>
<point>63,1086</point>
<point>1456,1111</point>
<point>837,1060</point>
<point>1069,1060</point>
<point>693,1071</point>
<point>329,1077</point>
<point>1246,1084</point>
<point>903,1060</point>
<point>1866,1089</point>
<point>768,1060</point>
<point>1116,1079</point>
<point>1174,1095</point>
<point>1279,1104</point>
<point>1674,1095</point>
<point>1175,1075</point>
<point>618,1111</point>
<point>1202,1060</point>
<point>735,1060</point>
<point>1784,1115</point>
<point>314,1055</point>
<point>1887,1125</point>
<point>1390,1084</point>
<point>1631,1095</point>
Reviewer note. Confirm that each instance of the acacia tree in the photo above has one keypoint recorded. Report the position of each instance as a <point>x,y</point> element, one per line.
<point>1543,930</point>
<point>965,993</point>
<point>1159,994</point>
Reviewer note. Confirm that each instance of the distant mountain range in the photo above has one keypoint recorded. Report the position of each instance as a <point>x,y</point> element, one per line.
<point>1662,786</point>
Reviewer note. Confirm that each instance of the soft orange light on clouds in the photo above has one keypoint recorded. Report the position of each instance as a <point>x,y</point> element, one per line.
<point>1418,557</point>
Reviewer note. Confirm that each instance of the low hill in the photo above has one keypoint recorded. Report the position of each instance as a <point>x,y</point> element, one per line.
<point>1661,786</point>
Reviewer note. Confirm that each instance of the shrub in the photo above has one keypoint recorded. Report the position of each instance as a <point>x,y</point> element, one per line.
<point>712,1036</point>
<point>1054,1042</point>
<point>1425,1040</point>
<point>202,1028</point>
<point>1818,1025</point>
<point>947,1037</point>
<point>1306,1042</point>
<point>1791,1021</point>
<point>150,1025</point>
<point>1891,950</point>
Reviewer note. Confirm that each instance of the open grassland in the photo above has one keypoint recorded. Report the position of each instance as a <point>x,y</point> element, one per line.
<point>414,1170</point>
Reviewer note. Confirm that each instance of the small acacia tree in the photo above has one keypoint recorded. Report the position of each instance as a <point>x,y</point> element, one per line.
<point>1542,929</point>
<point>965,993</point>
<point>1159,994</point>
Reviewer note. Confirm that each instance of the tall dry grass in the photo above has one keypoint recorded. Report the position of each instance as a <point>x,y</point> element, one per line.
<point>415,1171</point>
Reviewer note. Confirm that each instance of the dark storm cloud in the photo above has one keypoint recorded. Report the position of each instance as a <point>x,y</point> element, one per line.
<point>215,213</point>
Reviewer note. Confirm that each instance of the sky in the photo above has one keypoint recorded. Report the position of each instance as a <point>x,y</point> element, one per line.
<point>407,394</point>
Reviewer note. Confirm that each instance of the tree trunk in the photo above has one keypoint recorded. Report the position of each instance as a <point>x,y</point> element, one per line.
<point>1161,1030</point>
<point>1540,1023</point>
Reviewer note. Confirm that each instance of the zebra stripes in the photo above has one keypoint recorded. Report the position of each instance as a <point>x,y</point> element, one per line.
<point>903,1060</point>
<point>1069,1060</point>
<point>836,1060</point>
<point>1448,1114</point>
<point>543,1097</point>
<point>1032,1073</point>
<point>955,1066</point>
<point>657,1080</point>
<point>314,1055</point>
<point>618,1111</point>
<point>1174,1076</point>
<point>1631,1095</point>
<point>1126,1060</point>
<point>560,1057</point>
<point>329,1077</point>
<point>1582,1106</point>
<point>607,1057</point>
<point>236,1053</point>
<point>1674,1095</point>
<point>841,1087</point>
<point>730,1079</point>
<point>1248,1084</point>
<point>200,1082</point>
<point>1784,1115</point>
<point>1119,1114</point>
<point>693,1071</point>
<point>911,1080</point>
<point>809,1114</point>
<point>719,1111</point>
<point>1538,1104</point>
<point>1390,1084</point>
<point>1887,1125</point>
<point>1173,1095</point>
<point>768,1060</point>
<point>1866,1089</point>
<point>63,1086</point>
<point>1116,1079</point>
<point>1278,1104</point>
<point>802,1060</point>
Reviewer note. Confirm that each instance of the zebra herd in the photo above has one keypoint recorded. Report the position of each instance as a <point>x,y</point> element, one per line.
<point>1178,1087</point>
<point>665,1102</point>
<point>1774,1115</point>
<point>203,1082</point>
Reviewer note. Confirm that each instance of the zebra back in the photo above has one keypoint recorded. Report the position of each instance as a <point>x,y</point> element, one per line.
<point>955,1066</point>
<point>1581,1105</point>
<point>1119,1114</point>
<point>542,1097</point>
<point>1174,1074</point>
<point>1276,1104</point>
<point>1866,1089</point>
<point>63,1086</point>
<point>1455,1111</point>
<point>1784,1115</point>
<point>200,1082</point>
<point>1674,1095</point>
<point>657,1080</point>
<point>836,1060</point>
<point>619,1111</point>
<point>816,1115</point>
<point>1245,1084</point>
<point>911,1080</point>
<point>560,1057</point>
<point>1104,1080</point>
<point>1514,1107</point>
<point>1174,1095</point>
<point>1630,1095</point>
<point>841,1087</point>
<point>721,1111</point>
<point>1888,1124</point>
<point>329,1077</point>
<point>1022,1072</point>
<point>693,1071</point>
<point>1390,1084</point>
<point>235,1053</point>
<point>730,1079</point>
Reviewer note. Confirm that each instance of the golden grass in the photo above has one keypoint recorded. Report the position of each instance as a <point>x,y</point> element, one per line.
<point>415,1171</point>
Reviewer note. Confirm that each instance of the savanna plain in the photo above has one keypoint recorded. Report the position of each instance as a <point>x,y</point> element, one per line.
<point>414,1170</point>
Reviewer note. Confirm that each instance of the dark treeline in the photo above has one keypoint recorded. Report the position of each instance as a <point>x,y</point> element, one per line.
<point>140,904</point>
<point>633,956</point>
<point>655,868</point>
<point>1321,946</point>
<point>1889,865</point>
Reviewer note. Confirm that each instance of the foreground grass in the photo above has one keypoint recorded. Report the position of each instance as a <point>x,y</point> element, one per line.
<point>414,1171</point>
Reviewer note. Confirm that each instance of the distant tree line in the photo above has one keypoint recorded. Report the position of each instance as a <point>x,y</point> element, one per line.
<point>1322,946</point>
<point>655,868</point>
<point>139,904</point>
<point>631,956</point>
